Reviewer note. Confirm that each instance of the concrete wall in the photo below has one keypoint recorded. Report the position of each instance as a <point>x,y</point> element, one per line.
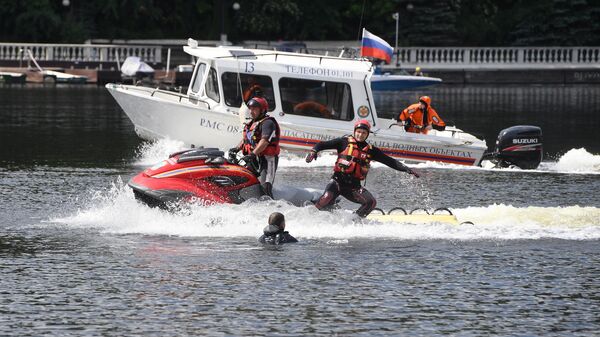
<point>506,76</point>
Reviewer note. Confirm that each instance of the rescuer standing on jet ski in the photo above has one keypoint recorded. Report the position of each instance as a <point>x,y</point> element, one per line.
<point>354,159</point>
<point>260,142</point>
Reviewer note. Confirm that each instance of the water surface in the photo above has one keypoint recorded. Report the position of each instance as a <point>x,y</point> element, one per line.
<point>79,256</point>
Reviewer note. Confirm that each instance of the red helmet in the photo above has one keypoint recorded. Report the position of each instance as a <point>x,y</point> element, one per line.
<point>362,124</point>
<point>258,102</point>
<point>425,99</point>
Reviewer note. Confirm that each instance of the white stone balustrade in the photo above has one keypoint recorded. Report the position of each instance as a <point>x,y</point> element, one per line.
<point>497,57</point>
<point>406,57</point>
<point>78,52</point>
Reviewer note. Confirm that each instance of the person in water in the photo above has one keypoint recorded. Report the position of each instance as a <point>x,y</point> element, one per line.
<point>420,117</point>
<point>260,143</point>
<point>274,233</point>
<point>352,165</point>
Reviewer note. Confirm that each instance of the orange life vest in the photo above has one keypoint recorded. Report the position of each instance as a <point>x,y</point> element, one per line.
<point>354,161</point>
<point>253,133</point>
<point>420,118</point>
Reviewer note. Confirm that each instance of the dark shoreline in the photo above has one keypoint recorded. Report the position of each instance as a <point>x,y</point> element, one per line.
<point>105,72</point>
<point>516,76</point>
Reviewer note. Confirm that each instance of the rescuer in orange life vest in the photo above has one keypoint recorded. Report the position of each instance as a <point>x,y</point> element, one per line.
<point>420,117</point>
<point>354,159</point>
<point>260,143</point>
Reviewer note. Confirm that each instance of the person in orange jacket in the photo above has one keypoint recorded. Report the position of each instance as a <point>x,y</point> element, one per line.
<point>420,117</point>
<point>312,108</point>
<point>253,89</point>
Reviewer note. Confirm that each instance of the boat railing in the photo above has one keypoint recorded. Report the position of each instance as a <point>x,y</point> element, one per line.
<point>156,92</point>
<point>347,52</point>
<point>277,54</point>
<point>79,52</point>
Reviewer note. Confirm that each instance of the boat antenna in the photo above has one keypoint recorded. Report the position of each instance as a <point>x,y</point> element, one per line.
<point>362,13</point>
<point>239,80</point>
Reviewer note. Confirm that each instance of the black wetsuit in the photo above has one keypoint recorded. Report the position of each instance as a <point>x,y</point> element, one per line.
<point>273,235</point>
<point>348,186</point>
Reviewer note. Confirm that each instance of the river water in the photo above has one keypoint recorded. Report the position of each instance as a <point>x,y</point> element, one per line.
<point>79,256</point>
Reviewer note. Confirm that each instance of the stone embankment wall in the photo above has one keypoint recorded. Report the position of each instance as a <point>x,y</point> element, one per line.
<point>454,65</point>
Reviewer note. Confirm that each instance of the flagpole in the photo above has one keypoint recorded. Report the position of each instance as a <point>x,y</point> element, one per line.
<point>397,17</point>
<point>361,41</point>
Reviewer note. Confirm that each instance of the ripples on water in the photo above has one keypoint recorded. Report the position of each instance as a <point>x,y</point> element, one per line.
<point>124,285</point>
<point>79,256</point>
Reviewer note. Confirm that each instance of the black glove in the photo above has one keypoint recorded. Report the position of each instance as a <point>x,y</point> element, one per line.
<point>234,150</point>
<point>312,155</point>
<point>249,158</point>
<point>251,162</point>
<point>413,172</point>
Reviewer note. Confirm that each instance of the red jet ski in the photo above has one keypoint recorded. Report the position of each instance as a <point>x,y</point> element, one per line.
<point>204,176</point>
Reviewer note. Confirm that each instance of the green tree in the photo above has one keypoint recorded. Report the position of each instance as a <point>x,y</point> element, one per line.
<point>320,20</point>
<point>269,19</point>
<point>571,23</point>
<point>37,21</point>
<point>422,22</point>
<point>433,23</point>
<point>532,27</point>
<point>479,22</point>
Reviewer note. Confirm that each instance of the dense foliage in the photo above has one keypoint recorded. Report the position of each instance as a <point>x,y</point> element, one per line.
<point>421,22</point>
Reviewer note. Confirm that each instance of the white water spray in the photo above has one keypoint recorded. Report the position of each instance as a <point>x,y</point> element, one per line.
<point>117,211</point>
<point>574,161</point>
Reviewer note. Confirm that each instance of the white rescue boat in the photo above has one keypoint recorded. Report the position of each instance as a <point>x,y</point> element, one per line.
<point>313,98</point>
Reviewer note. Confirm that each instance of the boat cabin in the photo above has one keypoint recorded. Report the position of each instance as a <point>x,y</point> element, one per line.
<point>300,88</point>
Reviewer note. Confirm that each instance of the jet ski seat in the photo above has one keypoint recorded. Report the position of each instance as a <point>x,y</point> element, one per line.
<point>196,154</point>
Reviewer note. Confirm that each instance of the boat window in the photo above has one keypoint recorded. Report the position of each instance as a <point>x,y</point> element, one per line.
<point>212,86</point>
<point>252,85</point>
<point>312,98</point>
<point>198,77</point>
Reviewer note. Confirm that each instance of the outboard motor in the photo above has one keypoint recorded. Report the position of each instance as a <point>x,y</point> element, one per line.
<point>520,146</point>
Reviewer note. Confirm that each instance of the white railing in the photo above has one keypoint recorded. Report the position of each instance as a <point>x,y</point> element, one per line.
<point>497,56</point>
<point>465,57</point>
<point>452,57</point>
<point>78,52</point>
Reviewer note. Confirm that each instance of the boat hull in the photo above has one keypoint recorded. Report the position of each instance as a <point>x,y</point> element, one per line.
<point>9,77</point>
<point>401,82</point>
<point>156,117</point>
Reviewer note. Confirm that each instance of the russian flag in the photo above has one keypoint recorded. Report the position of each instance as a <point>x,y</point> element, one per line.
<point>374,46</point>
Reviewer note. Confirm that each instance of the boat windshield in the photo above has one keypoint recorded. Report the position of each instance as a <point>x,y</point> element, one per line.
<point>313,98</point>
<point>212,86</point>
<point>252,86</point>
<point>198,77</point>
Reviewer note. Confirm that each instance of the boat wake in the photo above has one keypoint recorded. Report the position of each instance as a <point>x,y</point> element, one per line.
<point>150,153</point>
<point>116,211</point>
<point>575,161</point>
